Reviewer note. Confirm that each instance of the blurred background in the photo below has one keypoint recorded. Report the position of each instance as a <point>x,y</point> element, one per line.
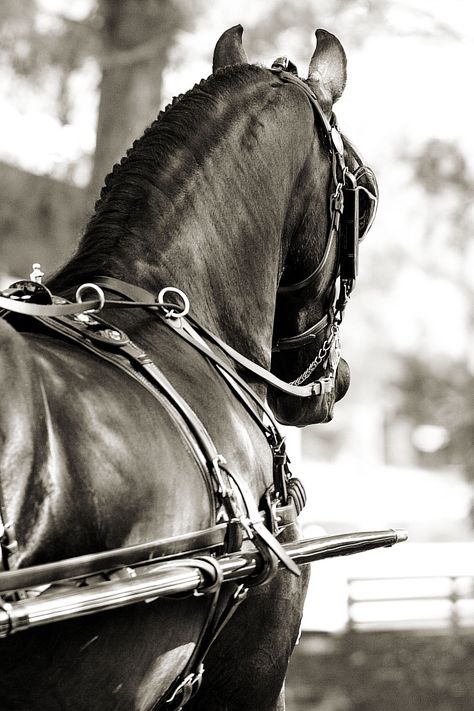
<point>81,79</point>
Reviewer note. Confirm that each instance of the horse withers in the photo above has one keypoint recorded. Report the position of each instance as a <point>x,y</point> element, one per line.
<point>235,197</point>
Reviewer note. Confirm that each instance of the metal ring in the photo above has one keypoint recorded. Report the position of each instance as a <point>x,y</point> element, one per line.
<point>98,291</point>
<point>173,313</point>
<point>212,568</point>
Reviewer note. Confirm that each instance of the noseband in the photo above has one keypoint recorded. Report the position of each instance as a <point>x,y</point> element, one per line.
<point>343,231</point>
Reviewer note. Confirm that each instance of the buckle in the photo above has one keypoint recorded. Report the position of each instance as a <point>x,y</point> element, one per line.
<point>186,689</point>
<point>323,386</point>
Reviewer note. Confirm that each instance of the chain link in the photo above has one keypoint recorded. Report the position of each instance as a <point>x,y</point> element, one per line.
<point>320,358</point>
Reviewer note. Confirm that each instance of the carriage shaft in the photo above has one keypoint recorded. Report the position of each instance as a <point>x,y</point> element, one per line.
<point>173,578</point>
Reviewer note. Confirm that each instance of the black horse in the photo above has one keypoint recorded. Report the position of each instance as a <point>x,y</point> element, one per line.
<point>229,196</point>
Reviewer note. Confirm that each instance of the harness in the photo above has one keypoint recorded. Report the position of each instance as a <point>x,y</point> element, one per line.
<point>237,516</point>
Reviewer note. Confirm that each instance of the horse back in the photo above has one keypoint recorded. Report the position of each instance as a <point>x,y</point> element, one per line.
<point>114,462</point>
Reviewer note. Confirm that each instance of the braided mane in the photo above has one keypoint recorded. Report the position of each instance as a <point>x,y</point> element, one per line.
<point>154,171</point>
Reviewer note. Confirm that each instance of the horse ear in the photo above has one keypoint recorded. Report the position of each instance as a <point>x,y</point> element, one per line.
<point>229,49</point>
<point>327,70</point>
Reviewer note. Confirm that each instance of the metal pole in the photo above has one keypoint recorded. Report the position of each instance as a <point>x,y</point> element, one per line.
<point>172,578</point>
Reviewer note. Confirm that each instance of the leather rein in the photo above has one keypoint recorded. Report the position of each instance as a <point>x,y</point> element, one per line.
<point>140,298</point>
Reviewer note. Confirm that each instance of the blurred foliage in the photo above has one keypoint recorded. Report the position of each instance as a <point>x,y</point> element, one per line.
<point>442,394</point>
<point>442,165</point>
<point>354,21</point>
<point>35,43</point>
<point>441,170</point>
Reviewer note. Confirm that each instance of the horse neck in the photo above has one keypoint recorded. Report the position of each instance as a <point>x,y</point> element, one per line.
<point>227,247</point>
<point>208,202</point>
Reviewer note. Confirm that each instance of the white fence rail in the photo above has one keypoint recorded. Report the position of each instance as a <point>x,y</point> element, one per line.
<point>425,601</point>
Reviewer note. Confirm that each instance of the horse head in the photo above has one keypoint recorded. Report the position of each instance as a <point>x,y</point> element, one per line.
<point>250,172</point>
<point>334,202</point>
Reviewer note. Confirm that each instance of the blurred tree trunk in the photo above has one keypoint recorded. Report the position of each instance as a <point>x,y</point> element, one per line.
<point>136,37</point>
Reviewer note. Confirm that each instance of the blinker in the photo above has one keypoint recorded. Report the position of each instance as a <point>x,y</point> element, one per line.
<point>349,245</point>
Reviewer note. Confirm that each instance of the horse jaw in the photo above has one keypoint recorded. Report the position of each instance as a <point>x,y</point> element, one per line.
<point>299,412</point>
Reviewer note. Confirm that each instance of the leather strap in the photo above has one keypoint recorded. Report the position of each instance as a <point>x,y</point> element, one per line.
<point>216,469</point>
<point>318,387</point>
<point>189,681</point>
<point>209,539</point>
<point>147,300</point>
<point>26,308</point>
<point>290,78</point>
<point>337,208</point>
<point>301,339</point>
<point>132,291</point>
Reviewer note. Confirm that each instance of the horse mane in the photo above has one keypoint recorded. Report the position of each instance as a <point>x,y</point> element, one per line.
<point>170,150</point>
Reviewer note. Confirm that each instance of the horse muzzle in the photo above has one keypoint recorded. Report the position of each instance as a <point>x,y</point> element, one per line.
<point>299,412</point>
<point>343,380</point>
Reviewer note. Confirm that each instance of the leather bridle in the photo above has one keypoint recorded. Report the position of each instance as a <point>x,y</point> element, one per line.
<point>343,233</point>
